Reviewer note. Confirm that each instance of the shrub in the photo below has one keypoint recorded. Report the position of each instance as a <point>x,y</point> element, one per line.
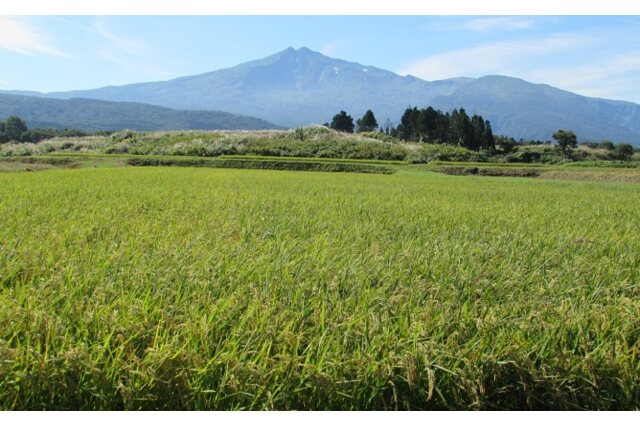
<point>430,152</point>
<point>119,148</point>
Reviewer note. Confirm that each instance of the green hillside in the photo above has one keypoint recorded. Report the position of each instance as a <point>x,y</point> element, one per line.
<point>92,115</point>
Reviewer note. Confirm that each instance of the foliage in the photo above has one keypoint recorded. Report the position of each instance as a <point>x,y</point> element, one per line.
<point>317,143</point>
<point>537,154</point>
<point>505,144</point>
<point>566,140</point>
<point>367,123</point>
<point>380,136</point>
<point>310,142</point>
<point>624,151</point>
<point>14,129</point>
<point>608,145</point>
<point>342,122</point>
<point>426,153</point>
<point>457,128</point>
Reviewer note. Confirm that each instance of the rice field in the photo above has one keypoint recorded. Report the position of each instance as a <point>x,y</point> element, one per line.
<point>197,288</point>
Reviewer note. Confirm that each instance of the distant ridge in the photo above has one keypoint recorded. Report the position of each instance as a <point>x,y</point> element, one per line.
<point>92,115</point>
<point>299,87</point>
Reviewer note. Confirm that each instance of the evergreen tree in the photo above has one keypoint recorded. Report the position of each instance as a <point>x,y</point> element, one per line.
<point>478,131</point>
<point>488,140</point>
<point>14,127</point>
<point>461,128</point>
<point>408,123</point>
<point>430,119</point>
<point>443,129</point>
<point>368,122</point>
<point>342,122</point>
<point>433,126</point>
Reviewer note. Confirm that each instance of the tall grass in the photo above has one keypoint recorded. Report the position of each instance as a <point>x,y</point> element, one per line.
<point>311,142</point>
<point>316,142</point>
<point>193,288</point>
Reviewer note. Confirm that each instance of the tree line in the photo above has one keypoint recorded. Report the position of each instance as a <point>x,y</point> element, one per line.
<point>458,128</point>
<point>426,125</point>
<point>14,129</point>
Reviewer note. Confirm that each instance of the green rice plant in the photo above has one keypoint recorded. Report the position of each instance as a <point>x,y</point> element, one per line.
<point>203,288</point>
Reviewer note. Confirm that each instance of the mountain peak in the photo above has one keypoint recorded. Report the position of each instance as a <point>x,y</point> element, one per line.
<point>291,51</point>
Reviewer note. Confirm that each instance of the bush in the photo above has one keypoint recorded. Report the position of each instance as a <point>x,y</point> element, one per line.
<point>539,154</point>
<point>119,148</point>
<point>429,152</point>
<point>624,151</point>
<point>380,136</point>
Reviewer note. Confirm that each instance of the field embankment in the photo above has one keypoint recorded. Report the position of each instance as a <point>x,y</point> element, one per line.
<point>265,164</point>
<point>575,172</point>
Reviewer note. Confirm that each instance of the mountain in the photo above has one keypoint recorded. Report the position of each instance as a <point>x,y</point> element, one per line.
<point>91,115</point>
<point>299,87</point>
<point>534,111</point>
<point>292,87</point>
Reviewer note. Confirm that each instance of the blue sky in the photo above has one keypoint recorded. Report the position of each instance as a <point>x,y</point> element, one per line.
<point>591,55</point>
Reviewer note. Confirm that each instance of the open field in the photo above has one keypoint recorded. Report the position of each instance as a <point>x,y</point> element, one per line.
<point>173,287</point>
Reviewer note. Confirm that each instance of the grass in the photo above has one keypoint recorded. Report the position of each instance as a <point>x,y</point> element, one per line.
<point>313,159</point>
<point>487,171</point>
<point>313,142</point>
<point>491,165</point>
<point>597,172</point>
<point>606,164</point>
<point>199,288</point>
<point>569,171</point>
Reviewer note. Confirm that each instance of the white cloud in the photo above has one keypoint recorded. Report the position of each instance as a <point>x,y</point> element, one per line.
<point>127,45</point>
<point>332,48</point>
<point>490,24</point>
<point>134,66</point>
<point>99,27</point>
<point>18,36</point>
<point>600,73</point>
<point>604,77</point>
<point>490,58</point>
<point>130,55</point>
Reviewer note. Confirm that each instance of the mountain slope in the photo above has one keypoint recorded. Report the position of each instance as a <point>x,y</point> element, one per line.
<point>299,87</point>
<point>292,87</point>
<point>524,110</point>
<point>91,115</point>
